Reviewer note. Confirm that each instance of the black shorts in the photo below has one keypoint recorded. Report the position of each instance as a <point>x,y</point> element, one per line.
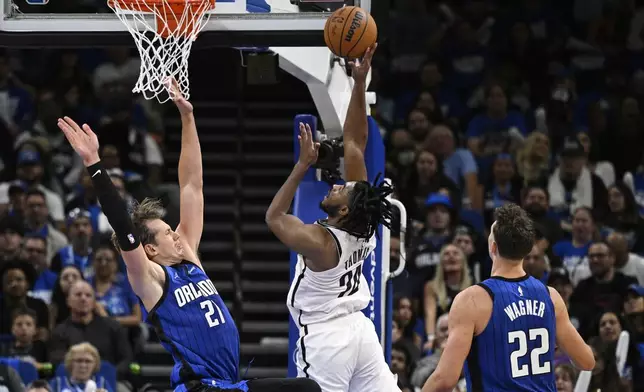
<point>267,385</point>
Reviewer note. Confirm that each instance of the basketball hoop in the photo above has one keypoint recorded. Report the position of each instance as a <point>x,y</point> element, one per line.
<point>163,31</point>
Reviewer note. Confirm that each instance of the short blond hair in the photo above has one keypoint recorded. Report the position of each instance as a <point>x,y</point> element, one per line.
<point>82,348</point>
<point>149,209</point>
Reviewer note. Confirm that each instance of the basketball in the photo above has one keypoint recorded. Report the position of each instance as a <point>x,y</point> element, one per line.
<point>349,32</point>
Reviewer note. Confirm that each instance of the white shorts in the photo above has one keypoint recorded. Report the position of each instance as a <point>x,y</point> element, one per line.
<point>344,355</point>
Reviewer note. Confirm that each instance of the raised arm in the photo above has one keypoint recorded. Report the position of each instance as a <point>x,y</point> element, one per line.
<point>143,274</point>
<point>311,241</point>
<point>568,338</point>
<point>356,128</point>
<point>190,178</point>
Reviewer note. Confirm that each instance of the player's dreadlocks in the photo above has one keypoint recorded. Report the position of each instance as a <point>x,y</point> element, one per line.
<point>368,208</point>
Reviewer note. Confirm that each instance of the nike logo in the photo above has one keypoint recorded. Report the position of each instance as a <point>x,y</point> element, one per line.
<point>97,173</point>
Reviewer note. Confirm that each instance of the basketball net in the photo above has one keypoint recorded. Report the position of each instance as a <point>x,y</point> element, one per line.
<point>163,31</point>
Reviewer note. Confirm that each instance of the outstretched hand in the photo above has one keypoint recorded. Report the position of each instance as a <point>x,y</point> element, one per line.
<point>308,146</point>
<point>184,106</point>
<point>82,139</point>
<point>360,68</point>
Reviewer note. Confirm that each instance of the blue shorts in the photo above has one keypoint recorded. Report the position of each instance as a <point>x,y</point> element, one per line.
<point>212,384</point>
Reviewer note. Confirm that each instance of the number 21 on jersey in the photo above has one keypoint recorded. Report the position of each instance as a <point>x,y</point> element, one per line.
<point>535,367</point>
<point>213,314</point>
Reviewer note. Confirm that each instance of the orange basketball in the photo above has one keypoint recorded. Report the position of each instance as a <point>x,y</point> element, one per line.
<point>349,31</point>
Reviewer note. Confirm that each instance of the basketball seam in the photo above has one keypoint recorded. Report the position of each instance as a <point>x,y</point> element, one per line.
<point>364,30</point>
<point>343,27</point>
<point>327,36</point>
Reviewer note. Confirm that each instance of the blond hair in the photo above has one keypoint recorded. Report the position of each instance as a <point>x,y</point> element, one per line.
<point>149,209</point>
<point>82,348</point>
<point>438,284</point>
<point>529,165</point>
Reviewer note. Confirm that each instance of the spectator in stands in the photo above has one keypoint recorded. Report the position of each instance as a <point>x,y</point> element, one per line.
<point>535,264</point>
<point>397,337</point>
<point>38,386</point>
<point>31,171</point>
<point>418,125</point>
<point>26,346</point>
<point>425,248</point>
<point>11,233</point>
<point>565,377</point>
<point>602,169</point>
<point>16,205</point>
<point>633,312</point>
<point>401,365</point>
<point>458,164</point>
<point>533,160</point>
<point>624,216</point>
<point>14,97</point>
<point>559,280</point>
<point>37,220</point>
<point>502,187</point>
<point>17,277</point>
<point>113,292</point>
<point>452,276</point>
<point>10,379</point>
<point>407,320</point>
<point>121,68</point>
<point>426,366</point>
<point>605,376</point>
<point>84,325</point>
<point>477,259</point>
<point>496,130</point>
<point>605,290</point>
<point>84,198</point>
<point>82,363</point>
<point>79,251</point>
<point>573,252</point>
<point>424,178</point>
<point>426,102</point>
<point>627,263</point>
<point>34,252</point>
<point>606,331</point>
<point>59,309</point>
<point>535,202</point>
<point>572,185</point>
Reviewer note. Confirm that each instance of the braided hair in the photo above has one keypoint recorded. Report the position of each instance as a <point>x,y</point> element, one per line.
<point>368,208</point>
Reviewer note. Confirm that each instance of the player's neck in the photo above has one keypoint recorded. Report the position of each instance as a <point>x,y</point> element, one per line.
<point>508,269</point>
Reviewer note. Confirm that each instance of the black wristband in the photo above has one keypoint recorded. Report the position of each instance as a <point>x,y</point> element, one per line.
<point>113,207</point>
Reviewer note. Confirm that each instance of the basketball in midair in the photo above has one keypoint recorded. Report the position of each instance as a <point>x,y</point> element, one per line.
<point>349,32</point>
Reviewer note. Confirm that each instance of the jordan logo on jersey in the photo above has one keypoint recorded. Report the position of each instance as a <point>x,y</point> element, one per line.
<point>188,292</point>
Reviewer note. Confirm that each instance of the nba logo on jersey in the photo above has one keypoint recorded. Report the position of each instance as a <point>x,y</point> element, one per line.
<point>520,291</point>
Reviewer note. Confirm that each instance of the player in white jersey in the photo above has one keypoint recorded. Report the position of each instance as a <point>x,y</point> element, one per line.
<point>338,345</point>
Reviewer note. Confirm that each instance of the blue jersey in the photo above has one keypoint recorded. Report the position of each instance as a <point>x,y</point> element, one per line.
<point>194,325</point>
<point>516,350</point>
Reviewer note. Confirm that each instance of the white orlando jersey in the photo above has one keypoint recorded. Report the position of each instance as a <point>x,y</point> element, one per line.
<point>315,297</point>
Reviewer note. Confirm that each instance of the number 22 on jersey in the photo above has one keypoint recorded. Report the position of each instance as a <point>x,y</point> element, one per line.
<point>534,367</point>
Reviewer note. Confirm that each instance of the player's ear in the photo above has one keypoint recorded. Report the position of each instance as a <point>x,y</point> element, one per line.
<point>344,211</point>
<point>150,250</point>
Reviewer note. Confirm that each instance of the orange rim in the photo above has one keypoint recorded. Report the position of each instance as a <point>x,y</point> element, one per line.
<point>169,13</point>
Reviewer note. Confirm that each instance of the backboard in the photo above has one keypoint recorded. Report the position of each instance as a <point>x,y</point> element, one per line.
<point>234,23</point>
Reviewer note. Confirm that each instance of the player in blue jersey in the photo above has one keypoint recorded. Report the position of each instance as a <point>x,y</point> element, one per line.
<point>165,272</point>
<point>507,327</point>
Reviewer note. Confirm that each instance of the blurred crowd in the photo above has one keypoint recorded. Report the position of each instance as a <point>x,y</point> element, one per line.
<point>533,102</point>
<point>68,312</point>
